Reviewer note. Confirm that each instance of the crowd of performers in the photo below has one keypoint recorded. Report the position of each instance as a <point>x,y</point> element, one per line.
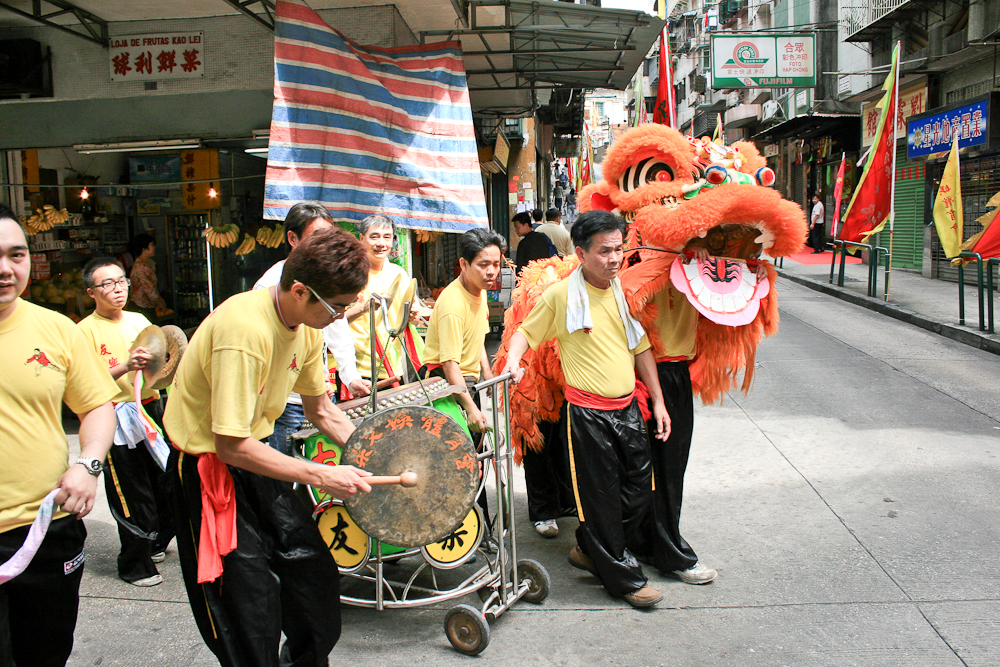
<point>254,563</point>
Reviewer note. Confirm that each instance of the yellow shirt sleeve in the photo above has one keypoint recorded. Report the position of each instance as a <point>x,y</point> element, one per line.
<point>88,382</point>
<point>540,325</point>
<point>236,384</point>
<point>312,379</point>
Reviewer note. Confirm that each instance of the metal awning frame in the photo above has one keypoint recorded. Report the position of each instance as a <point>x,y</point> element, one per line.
<point>92,27</point>
<point>244,6</point>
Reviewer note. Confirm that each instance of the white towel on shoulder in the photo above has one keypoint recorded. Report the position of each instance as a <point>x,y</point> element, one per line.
<point>578,308</point>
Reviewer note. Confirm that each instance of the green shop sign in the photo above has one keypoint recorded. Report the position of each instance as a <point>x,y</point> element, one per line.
<point>764,61</point>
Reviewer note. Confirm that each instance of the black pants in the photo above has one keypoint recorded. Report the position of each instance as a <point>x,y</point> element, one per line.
<point>139,506</point>
<point>816,236</point>
<point>665,548</point>
<point>38,607</point>
<point>612,476</point>
<point>546,474</point>
<point>280,578</point>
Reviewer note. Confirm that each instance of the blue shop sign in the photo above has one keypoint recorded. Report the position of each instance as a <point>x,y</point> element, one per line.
<point>932,133</point>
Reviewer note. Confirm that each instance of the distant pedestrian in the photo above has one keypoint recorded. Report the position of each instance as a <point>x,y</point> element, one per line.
<point>571,206</point>
<point>817,226</point>
<point>558,193</point>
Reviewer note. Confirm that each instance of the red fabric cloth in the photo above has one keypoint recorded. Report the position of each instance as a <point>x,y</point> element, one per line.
<point>218,517</point>
<point>585,399</point>
<point>642,395</point>
<point>988,244</point>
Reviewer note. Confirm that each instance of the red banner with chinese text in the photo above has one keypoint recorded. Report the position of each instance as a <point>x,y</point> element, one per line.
<point>665,112</point>
<point>871,204</point>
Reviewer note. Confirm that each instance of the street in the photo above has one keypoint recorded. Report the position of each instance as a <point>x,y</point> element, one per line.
<point>849,504</point>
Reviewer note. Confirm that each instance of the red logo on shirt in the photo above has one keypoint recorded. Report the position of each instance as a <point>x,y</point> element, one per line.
<point>104,351</point>
<point>42,360</point>
<point>294,366</point>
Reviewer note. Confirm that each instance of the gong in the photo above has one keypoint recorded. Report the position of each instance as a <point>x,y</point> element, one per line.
<point>421,440</point>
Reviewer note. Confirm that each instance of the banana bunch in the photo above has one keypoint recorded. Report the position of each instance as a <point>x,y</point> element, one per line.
<point>249,243</point>
<point>223,236</point>
<point>271,237</point>
<point>425,236</point>
<point>44,219</point>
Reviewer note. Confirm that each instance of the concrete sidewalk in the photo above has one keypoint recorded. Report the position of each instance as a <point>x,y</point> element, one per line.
<point>927,303</point>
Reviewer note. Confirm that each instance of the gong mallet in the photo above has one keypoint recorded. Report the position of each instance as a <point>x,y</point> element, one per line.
<point>406,479</point>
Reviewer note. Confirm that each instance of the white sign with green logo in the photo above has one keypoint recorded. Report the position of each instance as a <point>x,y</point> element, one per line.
<point>764,61</point>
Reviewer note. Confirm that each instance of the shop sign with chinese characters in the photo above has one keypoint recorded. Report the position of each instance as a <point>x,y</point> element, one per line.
<point>933,132</point>
<point>156,56</point>
<point>764,61</point>
<point>912,102</point>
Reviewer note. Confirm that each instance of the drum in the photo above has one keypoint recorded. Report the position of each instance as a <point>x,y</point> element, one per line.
<point>348,544</point>
<point>459,545</point>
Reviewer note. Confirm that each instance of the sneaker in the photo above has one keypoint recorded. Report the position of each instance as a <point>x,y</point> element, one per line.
<point>646,596</point>
<point>148,581</point>
<point>696,574</point>
<point>159,557</point>
<point>547,528</point>
<point>581,560</point>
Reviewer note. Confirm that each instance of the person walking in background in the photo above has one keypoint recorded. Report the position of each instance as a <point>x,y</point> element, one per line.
<point>532,244</point>
<point>817,226</point>
<point>570,206</point>
<point>556,232</point>
<point>145,294</point>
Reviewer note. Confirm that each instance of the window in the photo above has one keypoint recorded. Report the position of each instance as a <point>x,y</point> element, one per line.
<point>600,108</point>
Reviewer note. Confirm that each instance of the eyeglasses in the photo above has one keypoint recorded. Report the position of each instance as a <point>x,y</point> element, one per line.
<point>109,284</point>
<point>336,311</point>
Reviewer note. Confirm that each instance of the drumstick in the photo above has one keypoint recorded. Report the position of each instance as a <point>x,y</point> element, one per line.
<point>382,384</point>
<point>407,479</point>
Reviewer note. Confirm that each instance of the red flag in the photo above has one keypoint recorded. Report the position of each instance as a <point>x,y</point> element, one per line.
<point>871,205</point>
<point>665,112</point>
<point>838,190</point>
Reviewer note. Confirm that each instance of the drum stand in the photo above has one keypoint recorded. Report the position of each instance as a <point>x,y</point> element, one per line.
<point>500,580</point>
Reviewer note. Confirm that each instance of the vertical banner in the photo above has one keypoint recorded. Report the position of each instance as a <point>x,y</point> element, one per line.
<point>197,165</point>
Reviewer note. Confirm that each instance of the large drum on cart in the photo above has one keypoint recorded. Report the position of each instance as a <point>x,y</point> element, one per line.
<point>437,520</point>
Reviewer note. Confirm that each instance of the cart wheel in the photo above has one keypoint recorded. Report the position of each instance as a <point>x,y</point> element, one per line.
<point>467,630</point>
<point>538,579</point>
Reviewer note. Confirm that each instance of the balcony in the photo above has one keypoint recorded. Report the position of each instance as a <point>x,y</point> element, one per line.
<point>867,19</point>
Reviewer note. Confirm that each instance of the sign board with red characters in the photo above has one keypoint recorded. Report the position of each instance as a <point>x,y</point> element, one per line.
<point>155,56</point>
<point>912,102</point>
<point>764,61</point>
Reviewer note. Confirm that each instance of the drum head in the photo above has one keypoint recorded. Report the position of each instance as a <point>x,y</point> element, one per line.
<point>429,443</point>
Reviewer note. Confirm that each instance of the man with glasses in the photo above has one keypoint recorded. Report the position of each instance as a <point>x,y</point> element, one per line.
<point>302,220</point>
<point>144,525</point>
<point>253,560</point>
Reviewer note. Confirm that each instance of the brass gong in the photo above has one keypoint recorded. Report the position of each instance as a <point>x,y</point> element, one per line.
<point>425,441</point>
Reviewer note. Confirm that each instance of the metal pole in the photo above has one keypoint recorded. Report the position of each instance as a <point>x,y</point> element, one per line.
<point>892,187</point>
<point>833,258</point>
<point>961,294</point>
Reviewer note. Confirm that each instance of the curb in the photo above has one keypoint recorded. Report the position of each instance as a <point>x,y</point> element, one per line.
<point>959,334</point>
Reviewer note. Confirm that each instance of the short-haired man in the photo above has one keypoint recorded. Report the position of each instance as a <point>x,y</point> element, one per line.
<point>131,482</point>
<point>302,220</point>
<point>556,232</point>
<point>599,345</point>
<point>45,361</point>
<point>532,245</point>
<point>253,560</point>
<point>817,225</point>
<point>456,333</point>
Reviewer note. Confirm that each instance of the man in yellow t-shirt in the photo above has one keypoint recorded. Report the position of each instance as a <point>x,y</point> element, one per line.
<point>44,361</point>
<point>600,348</point>
<point>455,347</point>
<point>253,560</point>
<point>141,511</point>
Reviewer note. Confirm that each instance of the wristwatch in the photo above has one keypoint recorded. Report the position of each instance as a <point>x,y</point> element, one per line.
<point>93,466</point>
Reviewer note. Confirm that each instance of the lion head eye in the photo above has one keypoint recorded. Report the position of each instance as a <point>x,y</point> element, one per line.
<point>645,171</point>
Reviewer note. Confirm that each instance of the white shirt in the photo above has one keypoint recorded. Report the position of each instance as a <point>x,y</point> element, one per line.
<point>819,213</point>
<point>338,337</point>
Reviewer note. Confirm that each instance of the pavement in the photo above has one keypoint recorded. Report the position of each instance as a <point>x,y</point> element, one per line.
<point>927,303</point>
<point>848,502</point>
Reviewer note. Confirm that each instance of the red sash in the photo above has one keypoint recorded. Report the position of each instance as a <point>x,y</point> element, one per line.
<point>218,517</point>
<point>584,399</point>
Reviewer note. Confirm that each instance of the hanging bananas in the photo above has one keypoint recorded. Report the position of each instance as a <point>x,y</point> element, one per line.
<point>44,219</point>
<point>426,236</point>
<point>270,237</point>
<point>222,236</point>
<point>248,245</point>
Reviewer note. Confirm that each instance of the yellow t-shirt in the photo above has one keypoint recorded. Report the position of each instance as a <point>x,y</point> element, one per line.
<point>677,320</point>
<point>45,360</point>
<point>600,361</point>
<point>380,283</point>
<point>112,340</point>
<point>237,372</point>
<point>457,330</point>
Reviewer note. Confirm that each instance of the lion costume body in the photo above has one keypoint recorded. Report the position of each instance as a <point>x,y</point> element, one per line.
<point>679,195</point>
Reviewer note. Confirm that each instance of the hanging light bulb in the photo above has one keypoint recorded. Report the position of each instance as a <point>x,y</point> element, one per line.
<point>84,194</point>
<point>212,193</point>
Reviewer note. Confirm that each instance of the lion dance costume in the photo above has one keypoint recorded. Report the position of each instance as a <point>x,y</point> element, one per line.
<point>699,216</point>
